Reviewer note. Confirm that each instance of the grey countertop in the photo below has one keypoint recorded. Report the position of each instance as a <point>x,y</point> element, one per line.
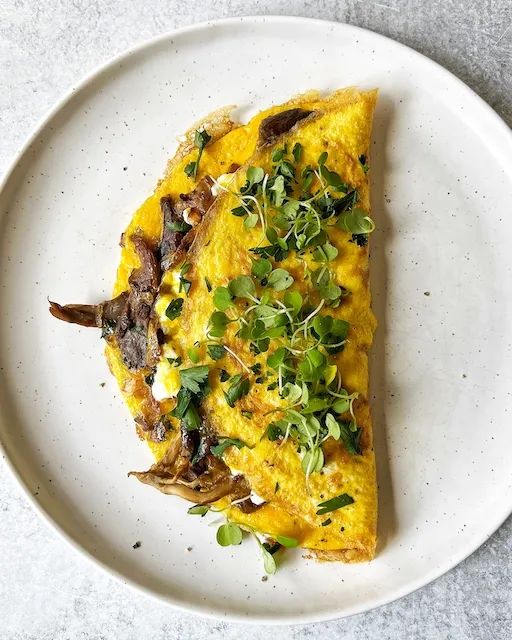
<point>47,590</point>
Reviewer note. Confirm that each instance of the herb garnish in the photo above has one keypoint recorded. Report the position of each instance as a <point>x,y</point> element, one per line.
<point>194,385</point>
<point>184,283</point>
<point>239,387</point>
<point>199,510</point>
<point>229,534</point>
<point>216,351</point>
<point>174,308</point>
<point>263,307</point>
<point>334,503</point>
<point>201,139</point>
<point>224,443</point>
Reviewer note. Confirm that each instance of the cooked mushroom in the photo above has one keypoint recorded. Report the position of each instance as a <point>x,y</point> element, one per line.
<point>127,318</point>
<point>179,217</point>
<point>190,470</point>
<point>272,127</point>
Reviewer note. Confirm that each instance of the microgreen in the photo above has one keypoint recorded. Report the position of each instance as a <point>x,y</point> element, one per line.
<point>201,139</point>
<point>296,214</point>
<point>199,510</point>
<point>222,298</point>
<point>242,287</point>
<point>261,268</point>
<point>356,221</point>
<point>217,324</point>
<point>287,542</point>
<point>229,534</point>
<point>280,279</point>
<point>297,151</point>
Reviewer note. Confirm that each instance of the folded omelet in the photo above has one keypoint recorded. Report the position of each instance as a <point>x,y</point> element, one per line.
<point>241,322</point>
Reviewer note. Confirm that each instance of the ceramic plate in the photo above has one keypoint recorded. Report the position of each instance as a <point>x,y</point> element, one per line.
<point>442,285</point>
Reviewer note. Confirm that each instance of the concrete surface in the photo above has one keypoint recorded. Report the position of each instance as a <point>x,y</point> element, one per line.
<point>49,592</point>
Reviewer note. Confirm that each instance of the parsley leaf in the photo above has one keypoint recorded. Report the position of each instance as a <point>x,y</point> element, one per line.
<point>215,351</point>
<point>174,308</point>
<point>193,378</point>
<point>224,443</point>
<point>238,388</point>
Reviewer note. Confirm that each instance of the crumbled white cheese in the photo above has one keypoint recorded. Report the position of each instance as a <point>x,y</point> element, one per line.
<point>256,499</point>
<point>222,181</point>
<point>186,217</point>
<point>166,382</point>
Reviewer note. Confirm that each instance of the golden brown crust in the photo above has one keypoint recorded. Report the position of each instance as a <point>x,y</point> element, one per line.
<point>217,123</point>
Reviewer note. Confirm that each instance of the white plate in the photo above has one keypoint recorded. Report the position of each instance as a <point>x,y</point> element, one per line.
<point>442,367</point>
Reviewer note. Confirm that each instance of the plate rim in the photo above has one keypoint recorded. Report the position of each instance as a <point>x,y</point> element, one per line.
<point>199,609</point>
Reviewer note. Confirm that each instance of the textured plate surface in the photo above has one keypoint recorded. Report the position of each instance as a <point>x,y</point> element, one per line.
<point>442,287</point>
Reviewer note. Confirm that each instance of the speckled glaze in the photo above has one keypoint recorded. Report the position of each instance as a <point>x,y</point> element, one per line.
<point>441,361</point>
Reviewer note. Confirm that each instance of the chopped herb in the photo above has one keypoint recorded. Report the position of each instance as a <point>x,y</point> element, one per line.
<point>364,162</point>
<point>246,414</point>
<point>297,151</point>
<point>334,503</point>
<point>149,379</point>
<point>361,239</point>
<point>216,351</point>
<point>273,432</point>
<point>224,443</point>
<point>184,283</point>
<point>178,225</point>
<point>193,378</point>
<point>223,375</point>
<point>208,284</point>
<point>174,362</point>
<point>174,308</point>
<point>351,436</point>
<point>276,488</point>
<point>327,522</point>
<point>238,388</point>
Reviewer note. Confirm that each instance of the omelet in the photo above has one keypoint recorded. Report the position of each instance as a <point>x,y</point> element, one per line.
<point>241,322</point>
